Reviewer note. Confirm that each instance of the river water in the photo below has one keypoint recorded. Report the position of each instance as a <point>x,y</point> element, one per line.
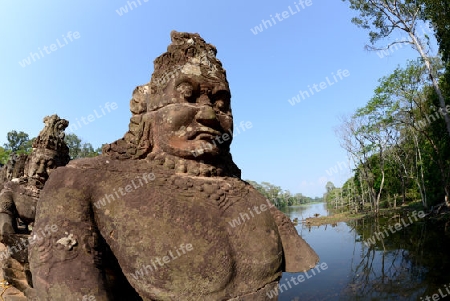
<point>411,262</point>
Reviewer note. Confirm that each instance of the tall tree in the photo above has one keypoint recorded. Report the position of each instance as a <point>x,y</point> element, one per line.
<point>384,17</point>
<point>87,151</point>
<point>79,149</point>
<point>438,12</point>
<point>74,144</point>
<point>329,186</point>
<point>18,142</point>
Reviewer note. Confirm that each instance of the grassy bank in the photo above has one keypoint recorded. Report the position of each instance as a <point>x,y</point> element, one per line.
<point>332,219</point>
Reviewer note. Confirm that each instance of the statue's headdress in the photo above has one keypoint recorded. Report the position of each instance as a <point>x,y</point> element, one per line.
<point>52,135</point>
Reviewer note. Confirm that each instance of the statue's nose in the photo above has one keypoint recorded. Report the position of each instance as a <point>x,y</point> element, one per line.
<point>41,170</point>
<point>206,116</point>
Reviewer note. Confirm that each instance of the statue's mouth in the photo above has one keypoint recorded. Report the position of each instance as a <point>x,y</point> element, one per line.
<point>38,181</point>
<point>205,135</point>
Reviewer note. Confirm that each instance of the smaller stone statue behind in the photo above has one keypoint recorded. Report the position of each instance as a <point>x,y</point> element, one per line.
<point>23,179</point>
<point>14,168</point>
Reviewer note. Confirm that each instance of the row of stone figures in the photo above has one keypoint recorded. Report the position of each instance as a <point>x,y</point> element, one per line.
<point>149,219</point>
<point>21,181</point>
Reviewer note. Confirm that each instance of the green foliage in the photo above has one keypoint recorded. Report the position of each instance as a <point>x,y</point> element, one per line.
<point>383,17</point>
<point>74,144</point>
<point>18,142</point>
<point>4,155</point>
<point>438,12</point>
<point>88,151</point>
<point>402,145</point>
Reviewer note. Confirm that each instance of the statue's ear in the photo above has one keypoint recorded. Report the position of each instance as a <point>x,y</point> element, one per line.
<point>138,103</point>
<point>137,143</point>
<point>144,136</point>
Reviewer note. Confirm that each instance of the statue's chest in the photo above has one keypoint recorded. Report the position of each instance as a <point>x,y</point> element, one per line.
<point>172,227</point>
<point>174,201</point>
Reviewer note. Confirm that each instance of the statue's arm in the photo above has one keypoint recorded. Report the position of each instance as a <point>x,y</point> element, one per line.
<point>7,225</point>
<point>63,253</point>
<point>298,255</point>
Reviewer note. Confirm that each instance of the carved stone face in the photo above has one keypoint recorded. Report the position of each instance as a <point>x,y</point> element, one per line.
<point>41,164</point>
<point>199,123</point>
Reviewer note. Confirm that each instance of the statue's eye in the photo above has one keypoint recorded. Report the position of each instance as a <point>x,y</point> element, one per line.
<point>222,100</point>
<point>186,90</point>
<point>50,164</point>
<point>205,91</point>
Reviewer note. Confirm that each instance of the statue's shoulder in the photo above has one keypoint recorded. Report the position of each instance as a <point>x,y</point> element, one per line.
<point>81,174</point>
<point>102,163</point>
<point>87,172</point>
<point>89,163</point>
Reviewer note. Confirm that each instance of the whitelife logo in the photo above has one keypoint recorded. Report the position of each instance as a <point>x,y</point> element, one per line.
<point>398,226</point>
<point>165,260</point>
<point>221,139</point>
<point>106,108</point>
<point>245,217</point>
<point>281,17</point>
<point>124,9</point>
<point>316,88</point>
<point>69,37</point>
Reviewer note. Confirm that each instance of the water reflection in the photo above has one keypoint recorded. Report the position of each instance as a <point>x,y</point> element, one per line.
<point>305,211</point>
<point>406,265</point>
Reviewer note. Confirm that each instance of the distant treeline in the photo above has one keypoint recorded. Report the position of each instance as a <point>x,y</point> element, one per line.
<point>282,198</point>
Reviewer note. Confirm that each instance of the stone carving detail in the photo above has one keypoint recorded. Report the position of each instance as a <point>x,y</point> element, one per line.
<point>18,198</point>
<point>110,251</point>
<point>68,242</point>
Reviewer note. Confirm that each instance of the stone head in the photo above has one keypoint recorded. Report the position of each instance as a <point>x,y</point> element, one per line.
<point>40,164</point>
<point>49,151</point>
<point>185,109</point>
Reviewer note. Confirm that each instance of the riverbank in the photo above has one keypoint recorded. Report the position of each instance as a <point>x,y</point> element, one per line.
<point>439,212</point>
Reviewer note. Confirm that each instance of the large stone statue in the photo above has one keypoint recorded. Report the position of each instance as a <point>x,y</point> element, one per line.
<point>152,217</point>
<point>18,199</point>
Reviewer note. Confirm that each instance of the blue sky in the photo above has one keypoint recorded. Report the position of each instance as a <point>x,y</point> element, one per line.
<point>109,53</point>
